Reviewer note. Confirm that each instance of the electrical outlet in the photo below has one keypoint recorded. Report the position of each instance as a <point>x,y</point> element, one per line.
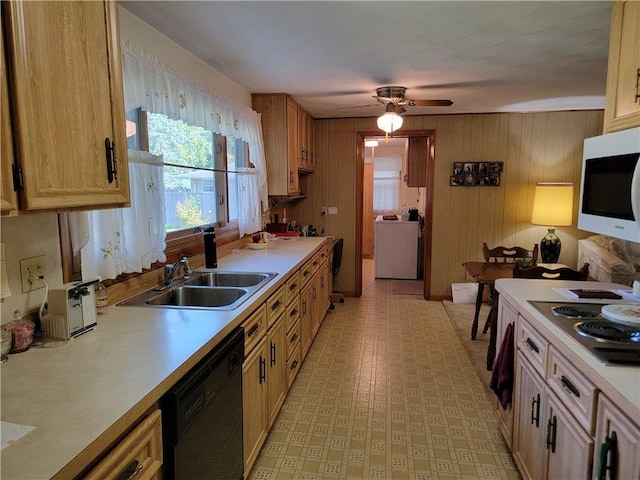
<point>323,211</point>
<point>30,269</point>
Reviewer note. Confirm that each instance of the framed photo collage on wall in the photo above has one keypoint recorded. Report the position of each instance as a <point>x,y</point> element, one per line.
<point>472,174</point>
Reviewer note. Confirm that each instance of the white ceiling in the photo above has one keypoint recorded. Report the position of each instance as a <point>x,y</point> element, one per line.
<point>485,56</point>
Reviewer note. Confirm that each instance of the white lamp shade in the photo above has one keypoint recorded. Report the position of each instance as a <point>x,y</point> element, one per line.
<point>389,122</point>
<point>553,204</point>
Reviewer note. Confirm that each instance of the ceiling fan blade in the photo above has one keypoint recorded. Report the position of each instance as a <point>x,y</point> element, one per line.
<point>429,103</point>
<point>357,106</point>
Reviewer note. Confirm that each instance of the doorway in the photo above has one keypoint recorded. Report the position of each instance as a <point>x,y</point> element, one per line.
<point>420,158</point>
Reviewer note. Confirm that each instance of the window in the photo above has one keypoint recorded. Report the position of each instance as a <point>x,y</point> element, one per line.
<point>200,182</point>
<point>387,185</point>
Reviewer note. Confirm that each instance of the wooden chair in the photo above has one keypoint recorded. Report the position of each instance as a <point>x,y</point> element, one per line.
<point>499,255</point>
<point>563,273</point>
<point>509,255</point>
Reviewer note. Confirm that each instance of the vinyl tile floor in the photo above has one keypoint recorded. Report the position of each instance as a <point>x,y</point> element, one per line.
<point>387,391</point>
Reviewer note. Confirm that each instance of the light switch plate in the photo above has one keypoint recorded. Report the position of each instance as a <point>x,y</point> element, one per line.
<point>333,210</point>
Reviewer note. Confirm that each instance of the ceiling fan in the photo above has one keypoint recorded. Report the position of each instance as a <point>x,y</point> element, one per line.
<point>393,97</point>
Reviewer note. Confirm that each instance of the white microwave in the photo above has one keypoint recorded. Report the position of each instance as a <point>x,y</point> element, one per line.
<point>610,185</point>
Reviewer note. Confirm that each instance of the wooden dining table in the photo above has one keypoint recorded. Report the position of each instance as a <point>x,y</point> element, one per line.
<point>486,273</point>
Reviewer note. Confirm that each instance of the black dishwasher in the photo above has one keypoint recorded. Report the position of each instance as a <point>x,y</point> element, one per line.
<point>202,417</point>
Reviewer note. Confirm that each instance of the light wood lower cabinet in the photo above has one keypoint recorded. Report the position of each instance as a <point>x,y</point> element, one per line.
<point>276,370</point>
<point>254,405</point>
<point>617,455</point>
<point>138,455</point>
<point>549,442</point>
<point>529,449</point>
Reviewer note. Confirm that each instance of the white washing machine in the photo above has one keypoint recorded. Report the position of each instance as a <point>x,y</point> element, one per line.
<point>396,249</point>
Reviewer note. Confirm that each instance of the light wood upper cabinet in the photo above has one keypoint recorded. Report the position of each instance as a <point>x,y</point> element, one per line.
<point>9,198</point>
<point>66,96</point>
<point>280,135</point>
<point>287,132</point>
<point>622,108</point>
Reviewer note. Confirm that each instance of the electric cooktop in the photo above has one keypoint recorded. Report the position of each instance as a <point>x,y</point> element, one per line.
<point>610,332</point>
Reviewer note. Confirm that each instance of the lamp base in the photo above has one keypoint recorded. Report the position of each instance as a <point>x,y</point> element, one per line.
<point>550,247</point>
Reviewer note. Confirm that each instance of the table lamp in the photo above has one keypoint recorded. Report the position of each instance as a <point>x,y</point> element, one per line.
<point>552,206</point>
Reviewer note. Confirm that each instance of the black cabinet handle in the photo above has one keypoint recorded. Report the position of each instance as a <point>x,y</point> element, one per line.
<point>608,458</point>
<point>110,153</point>
<point>276,305</point>
<point>131,471</point>
<point>262,370</point>
<point>253,330</point>
<point>551,434</point>
<point>293,338</point>
<point>532,345</point>
<point>273,354</point>
<point>635,100</point>
<point>293,312</point>
<point>566,383</point>
<point>294,364</point>
<point>535,410</point>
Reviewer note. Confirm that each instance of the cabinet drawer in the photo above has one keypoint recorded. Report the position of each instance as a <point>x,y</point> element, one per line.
<point>254,328</point>
<point>293,365</point>
<point>532,345</point>
<point>293,314</point>
<point>293,339</point>
<point>139,453</point>
<point>577,393</point>
<point>292,287</point>
<point>275,306</point>
<point>310,268</point>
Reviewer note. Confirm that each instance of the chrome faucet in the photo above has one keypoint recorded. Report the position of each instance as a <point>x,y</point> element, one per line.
<point>171,270</point>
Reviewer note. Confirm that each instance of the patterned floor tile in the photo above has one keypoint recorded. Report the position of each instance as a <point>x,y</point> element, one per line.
<point>387,391</point>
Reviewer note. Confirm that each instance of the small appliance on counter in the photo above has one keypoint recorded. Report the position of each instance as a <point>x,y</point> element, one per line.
<point>413,214</point>
<point>76,303</point>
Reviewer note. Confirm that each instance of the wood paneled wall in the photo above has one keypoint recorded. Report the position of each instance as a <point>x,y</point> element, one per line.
<point>534,147</point>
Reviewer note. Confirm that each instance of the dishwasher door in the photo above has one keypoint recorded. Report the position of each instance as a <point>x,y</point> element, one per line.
<point>202,417</point>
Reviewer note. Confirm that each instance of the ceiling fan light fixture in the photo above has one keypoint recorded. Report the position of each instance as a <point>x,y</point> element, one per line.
<point>389,122</point>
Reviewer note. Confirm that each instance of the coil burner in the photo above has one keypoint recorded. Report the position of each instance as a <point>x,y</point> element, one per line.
<point>573,311</point>
<point>604,331</point>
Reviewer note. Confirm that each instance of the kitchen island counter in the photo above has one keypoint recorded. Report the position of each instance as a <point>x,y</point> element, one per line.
<point>620,383</point>
<point>83,396</point>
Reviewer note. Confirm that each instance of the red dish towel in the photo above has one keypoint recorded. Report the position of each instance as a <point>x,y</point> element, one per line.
<point>502,374</point>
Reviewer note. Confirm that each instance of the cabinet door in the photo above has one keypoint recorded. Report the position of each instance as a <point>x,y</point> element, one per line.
<point>311,160</point>
<point>306,318</point>
<point>570,447</point>
<point>254,403</point>
<point>9,199</point>
<point>620,438</point>
<point>276,370</point>
<point>292,146</point>
<point>417,162</point>
<point>303,159</point>
<point>529,428</point>
<point>622,108</point>
<point>66,98</point>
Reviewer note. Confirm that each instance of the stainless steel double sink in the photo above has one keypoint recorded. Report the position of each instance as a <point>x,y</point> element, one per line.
<point>204,290</point>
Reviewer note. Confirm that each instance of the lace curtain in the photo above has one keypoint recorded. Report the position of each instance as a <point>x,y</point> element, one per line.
<point>158,88</point>
<point>125,240</point>
<point>386,185</point>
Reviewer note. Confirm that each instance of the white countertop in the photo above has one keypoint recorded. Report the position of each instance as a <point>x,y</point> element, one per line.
<point>620,383</point>
<point>82,396</point>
